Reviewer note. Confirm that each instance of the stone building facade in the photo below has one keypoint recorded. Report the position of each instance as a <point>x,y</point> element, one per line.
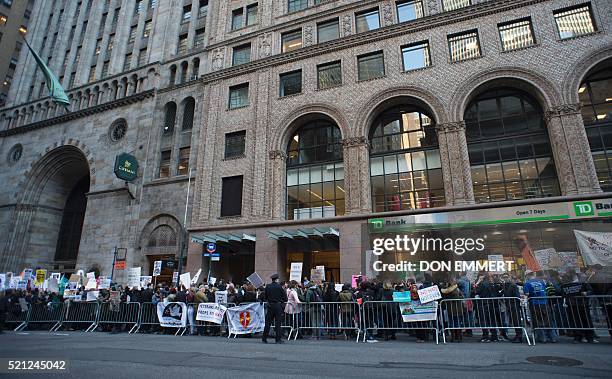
<point>163,92</point>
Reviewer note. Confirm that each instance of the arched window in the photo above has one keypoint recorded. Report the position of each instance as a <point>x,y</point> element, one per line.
<point>509,149</point>
<point>196,68</point>
<point>169,119</point>
<point>596,99</point>
<point>315,172</point>
<point>184,67</point>
<point>188,108</point>
<point>172,75</point>
<point>405,170</point>
<point>162,236</point>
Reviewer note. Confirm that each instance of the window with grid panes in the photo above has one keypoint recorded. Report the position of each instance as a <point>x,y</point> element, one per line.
<point>182,44</point>
<point>164,164</point>
<point>147,29</point>
<point>199,39</point>
<point>241,54</point>
<point>237,17</point>
<point>188,110</point>
<point>133,31</point>
<point>235,144</point>
<point>187,13</point>
<point>98,47</point>
<point>251,14</point>
<point>328,30</point>
<point>416,55</point>
<point>315,172</point>
<point>169,119</point>
<point>575,21</point>
<point>329,75</point>
<point>509,148</point>
<point>516,34</point>
<point>127,63</point>
<point>92,74</point>
<point>409,10</point>
<point>463,46</point>
<point>595,94</point>
<point>290,83</point>
<point>238,96</point>
<point>111,42</point>
<point>291,40</point>
<point>296,5</point>
<point>183,161</point>
<point>203,9</point>
<point>371,66</point>
<point>405,167</point>
<point>105,65</point>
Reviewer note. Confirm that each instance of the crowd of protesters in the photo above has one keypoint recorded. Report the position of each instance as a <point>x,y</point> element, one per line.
<point>554,303</point>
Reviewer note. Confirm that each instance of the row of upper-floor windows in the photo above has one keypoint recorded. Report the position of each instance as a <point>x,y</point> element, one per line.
<point>516,34</point>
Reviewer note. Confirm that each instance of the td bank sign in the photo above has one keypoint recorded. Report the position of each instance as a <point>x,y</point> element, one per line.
<point>593,208</point>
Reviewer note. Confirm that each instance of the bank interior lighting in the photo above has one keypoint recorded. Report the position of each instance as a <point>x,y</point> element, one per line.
<point>601,116</point>
<point>582,89</point>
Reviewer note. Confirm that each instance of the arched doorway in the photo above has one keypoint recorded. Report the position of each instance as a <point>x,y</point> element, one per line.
<point>50,212</point>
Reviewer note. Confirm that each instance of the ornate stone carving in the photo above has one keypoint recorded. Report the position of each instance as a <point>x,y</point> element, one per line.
<point>265,45</point>
<point>355,141</point>
<point>450,127</point>
<point>308,35</point>
<point>347,25</point>
<point>277,154</point>
<point>387,13</point>
<point>562,110</point>
<point>218,57</point>
<point>432,5</point>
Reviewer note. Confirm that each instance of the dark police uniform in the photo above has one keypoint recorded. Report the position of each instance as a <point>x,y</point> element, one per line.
<point>276,298</point>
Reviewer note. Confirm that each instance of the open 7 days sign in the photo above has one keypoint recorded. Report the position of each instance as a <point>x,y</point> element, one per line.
<point>126,167</point>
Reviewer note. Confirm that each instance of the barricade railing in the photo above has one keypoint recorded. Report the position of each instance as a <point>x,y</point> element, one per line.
<point>203,327</point>
<point>15,314</point>
<point>492,315</point>
<point>333,318</point>
<point>147,316</point>
<point>579,315</point>
<point>119,313</point>
<point>44,313</point>
<point>76,313</point>
<point>286,322</point>
<point>387,316</point>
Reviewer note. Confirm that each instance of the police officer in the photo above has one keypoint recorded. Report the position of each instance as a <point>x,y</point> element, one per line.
<point>276,296</point>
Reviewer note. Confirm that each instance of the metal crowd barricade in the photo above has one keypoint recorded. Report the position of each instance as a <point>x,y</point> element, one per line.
<point>119,313</point>
<point>386,315</point>
<point>570,313</point>
<point>489,314</point>
<point>332,317</point>
<point>147,316</point>
<point>200,325</point>
<point>43,313</point>
<point>79,313</point>
<point>16,315</point>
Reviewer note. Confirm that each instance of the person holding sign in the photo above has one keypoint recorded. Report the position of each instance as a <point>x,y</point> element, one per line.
<point>276,296</point>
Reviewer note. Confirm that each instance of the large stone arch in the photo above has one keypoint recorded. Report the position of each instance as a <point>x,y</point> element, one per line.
<point>371,108</point>
<point>578,71</point>
<point>40,202</point>
<point>533,83</point>
<point>155,222</point>
<point>283,131</point>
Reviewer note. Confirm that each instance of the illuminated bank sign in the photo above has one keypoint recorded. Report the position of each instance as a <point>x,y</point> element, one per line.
<point>593,208</point>
<point>126,167</point>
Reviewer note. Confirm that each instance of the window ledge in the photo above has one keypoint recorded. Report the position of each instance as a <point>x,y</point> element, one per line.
<point>240,107</point>
<point>521,48</point>
<point>234,157</point>
<point>417,69</point>
<point>467,60</point>
<point>236,217</point>
<point>330,87</point>
<point>370,79</point>
<point>168,180</point>
<point>290,96</point>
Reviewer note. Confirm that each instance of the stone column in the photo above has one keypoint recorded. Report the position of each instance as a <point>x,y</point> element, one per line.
<point>455,163</point>
<point>357,175</point>
<point>571,150</point>
<point>277,183</point>
<point>267,259</point>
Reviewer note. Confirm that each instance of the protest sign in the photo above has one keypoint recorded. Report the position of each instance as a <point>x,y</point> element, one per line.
<point>570,260</point>
<point>22,284</point>
<point>401,297</point>
<point>174,277</point>
<point>91,275</point>
<point>195,278</point>
<point>246,319</point>
<point>172,315</point>
<point>255,280</point>
<point>212,280</point>
<point>104,284</point>
<point>52,285</point>
<point>496,258</point>
<point>186,279</point>
<point>133,280</point>
<point>145,281</point>
<point>548,259</point>
<point>157,265</point>
<point>338,287</point>
<point>221,297</point>
<point>356,279</point>
<point>415,311</point>
<point>211,312</point>
<point>92,295</point>
<point>596,247</point>
<point>56,275</point>
<point>429,294</point>
<point>27,274</point>
<point>2,282</point>
<point>41,275</point>
<point>91,284</point>
<point>317,274</point>
<point>296,271</point>
<point>14,282</point>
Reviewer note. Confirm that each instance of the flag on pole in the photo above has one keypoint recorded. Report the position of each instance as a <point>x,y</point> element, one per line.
<point>53,85</point>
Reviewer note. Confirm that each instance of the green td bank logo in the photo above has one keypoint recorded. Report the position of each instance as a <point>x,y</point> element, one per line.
<point>584,208</point>
<point>377,223</point>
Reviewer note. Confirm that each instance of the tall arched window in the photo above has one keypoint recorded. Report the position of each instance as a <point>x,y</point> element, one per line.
<point>596,99</point>
<point>172,75</point>
<point>188,109</point>
<point>509,148</point>
<point>315,172</point>
<point>405,170</point>
<point>169,118</point>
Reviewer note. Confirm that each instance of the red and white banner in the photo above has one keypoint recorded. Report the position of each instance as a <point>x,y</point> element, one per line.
<point>246,319</point>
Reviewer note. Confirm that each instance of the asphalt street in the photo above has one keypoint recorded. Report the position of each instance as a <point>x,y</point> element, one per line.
<point>103,355</point>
